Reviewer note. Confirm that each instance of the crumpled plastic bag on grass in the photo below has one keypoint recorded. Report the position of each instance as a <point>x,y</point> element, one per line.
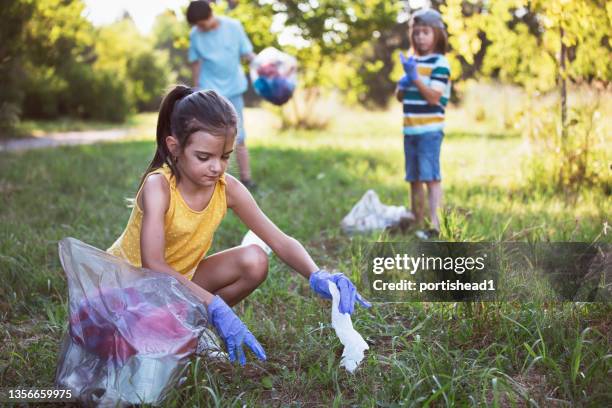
<point>369,214</point>
<point>274,75</point>
<point>131,330</point>
<point>354,344</point>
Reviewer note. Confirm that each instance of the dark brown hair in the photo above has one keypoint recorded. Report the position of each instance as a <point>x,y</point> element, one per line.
<point>184,111</point>
<point>198,10</point>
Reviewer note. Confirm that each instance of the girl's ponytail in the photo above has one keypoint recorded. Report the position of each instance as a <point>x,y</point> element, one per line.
<point>164,129</point>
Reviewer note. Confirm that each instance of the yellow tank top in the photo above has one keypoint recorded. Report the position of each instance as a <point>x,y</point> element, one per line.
<point>188,234</point>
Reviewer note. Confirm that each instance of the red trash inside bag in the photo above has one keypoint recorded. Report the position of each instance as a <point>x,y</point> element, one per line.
<point>118,323</point>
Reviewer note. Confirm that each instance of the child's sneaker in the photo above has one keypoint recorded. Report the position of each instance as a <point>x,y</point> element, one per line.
<point>427,234</point>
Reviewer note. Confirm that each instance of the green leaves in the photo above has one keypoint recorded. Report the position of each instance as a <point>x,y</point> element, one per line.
<point>519,41</point>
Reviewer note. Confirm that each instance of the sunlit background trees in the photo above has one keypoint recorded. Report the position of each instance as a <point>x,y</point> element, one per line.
<point>55,63</point>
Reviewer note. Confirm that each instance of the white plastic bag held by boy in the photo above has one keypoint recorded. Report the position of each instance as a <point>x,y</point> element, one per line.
<point>274,75</point>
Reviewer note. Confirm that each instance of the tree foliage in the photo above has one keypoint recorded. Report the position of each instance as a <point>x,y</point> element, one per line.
<point>145,71</point>
<point>519,41</point>
<point>15,15</point>
<point>54,62</point>
<point>171,35</point>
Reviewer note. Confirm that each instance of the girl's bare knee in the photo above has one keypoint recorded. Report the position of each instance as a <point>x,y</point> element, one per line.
<point>255,263</point>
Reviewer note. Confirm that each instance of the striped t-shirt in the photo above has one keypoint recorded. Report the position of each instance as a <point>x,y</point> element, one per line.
<point>419,116</point>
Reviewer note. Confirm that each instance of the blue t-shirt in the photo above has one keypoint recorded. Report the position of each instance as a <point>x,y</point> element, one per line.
<point>219,52</point>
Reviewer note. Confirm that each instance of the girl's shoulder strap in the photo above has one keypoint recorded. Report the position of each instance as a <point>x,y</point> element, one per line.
<point>222,180</point>
<point>163,170</point>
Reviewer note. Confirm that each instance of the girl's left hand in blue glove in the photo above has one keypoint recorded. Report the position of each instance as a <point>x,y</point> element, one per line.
<point>233,332</point>
<point>348,293</point>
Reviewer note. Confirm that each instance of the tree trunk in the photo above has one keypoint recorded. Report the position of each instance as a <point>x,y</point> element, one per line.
<point>565,165</point>
<point>563,79</point>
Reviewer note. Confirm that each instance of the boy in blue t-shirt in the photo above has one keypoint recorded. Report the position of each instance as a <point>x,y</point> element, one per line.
<point>424,91</point>
<point>216,46</point>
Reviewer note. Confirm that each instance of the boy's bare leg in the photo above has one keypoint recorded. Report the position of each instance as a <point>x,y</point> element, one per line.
<point>434,190</point>
<point>417,200</point>
<point>242,156</point>
<point>234,273</point>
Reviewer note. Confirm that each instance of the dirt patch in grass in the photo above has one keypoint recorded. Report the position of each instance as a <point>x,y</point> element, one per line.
<point>536,386</point>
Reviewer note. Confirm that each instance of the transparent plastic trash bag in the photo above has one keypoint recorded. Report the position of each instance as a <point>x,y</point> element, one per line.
<point>130,333</point>
<point>274,75</point>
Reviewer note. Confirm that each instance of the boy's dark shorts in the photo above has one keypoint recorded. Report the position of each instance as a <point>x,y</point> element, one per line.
<point>422,154</point>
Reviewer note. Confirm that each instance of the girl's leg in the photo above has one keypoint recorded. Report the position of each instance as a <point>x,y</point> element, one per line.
<point>234,273</point>
<point>434,190</point>
<point>417,200</point>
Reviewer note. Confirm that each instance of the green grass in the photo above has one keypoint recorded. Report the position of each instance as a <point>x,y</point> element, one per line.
<point>421,354</point>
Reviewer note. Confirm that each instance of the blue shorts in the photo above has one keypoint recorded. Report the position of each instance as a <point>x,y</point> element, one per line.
<point>422,154</point>
<point>238,103</point>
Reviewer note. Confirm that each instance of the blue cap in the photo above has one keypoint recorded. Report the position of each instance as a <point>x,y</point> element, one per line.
<point>428,17</point>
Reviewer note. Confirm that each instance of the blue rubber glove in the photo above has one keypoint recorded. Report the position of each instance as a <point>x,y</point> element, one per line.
<point>410,67</point>
<point>233,332</point>
<point>404,83</point>
<point>348,293</point>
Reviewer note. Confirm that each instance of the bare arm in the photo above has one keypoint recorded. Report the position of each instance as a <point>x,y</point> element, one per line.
<point>155,201</point>
<point>195,73</point>
<point>431,95</point>
<point>240,200</point>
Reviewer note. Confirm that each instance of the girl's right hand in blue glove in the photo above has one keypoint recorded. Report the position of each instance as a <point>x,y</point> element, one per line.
<point>348,293</point>
<point>233,332</point>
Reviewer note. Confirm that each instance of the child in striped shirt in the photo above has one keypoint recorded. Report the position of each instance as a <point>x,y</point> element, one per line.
<point>424,91</point>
